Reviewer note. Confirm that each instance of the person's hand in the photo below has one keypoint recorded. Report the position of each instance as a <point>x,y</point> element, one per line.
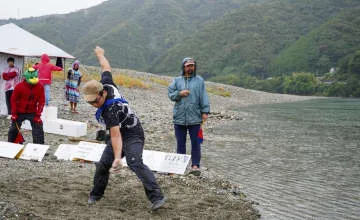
<point>184,93</point>
<point>14,117</point>
<point>99,51</point>
<point>116,166</point>
<point>37,119</point>
<point>204,117</point>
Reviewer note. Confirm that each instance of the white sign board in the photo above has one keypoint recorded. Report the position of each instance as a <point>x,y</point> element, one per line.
<point>65,151</point>
<point>164,162</point>
<point>10,150</point>
<point>34,152</point>
<point>89,151</point>
<point>83,151</point>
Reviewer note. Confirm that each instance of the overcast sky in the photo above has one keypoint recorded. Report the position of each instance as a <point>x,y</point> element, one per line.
<point>27,8</point>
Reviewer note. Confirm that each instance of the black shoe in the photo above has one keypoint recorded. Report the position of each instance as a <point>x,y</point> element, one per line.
<point>92,200</point>
<point>195,171</point>
<point>158,204</point>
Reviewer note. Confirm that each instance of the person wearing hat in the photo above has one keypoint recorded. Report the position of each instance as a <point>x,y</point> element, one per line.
<point>27,103</point>
<point>126,136</point>
<point>191,109</point>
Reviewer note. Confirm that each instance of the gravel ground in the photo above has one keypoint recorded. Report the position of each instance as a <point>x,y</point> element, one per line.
<point>56,189</point>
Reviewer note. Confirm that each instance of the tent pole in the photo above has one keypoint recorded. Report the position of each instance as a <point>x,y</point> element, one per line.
<point>64,69</point>
<point>23,69</point>
<point>64,81</point>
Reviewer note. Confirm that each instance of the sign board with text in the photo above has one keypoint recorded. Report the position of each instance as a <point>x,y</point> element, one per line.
<point>64,151</point>
<point>88,151</point>
<point>83,151</point>
<point>164,162</point>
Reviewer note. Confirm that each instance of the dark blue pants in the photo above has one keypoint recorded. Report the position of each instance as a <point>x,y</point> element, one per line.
<point>180,133</point>
<point>132,149</point>
<point>8,95</point>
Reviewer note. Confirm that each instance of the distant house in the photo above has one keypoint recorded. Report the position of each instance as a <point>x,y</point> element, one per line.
<point>332,70</point>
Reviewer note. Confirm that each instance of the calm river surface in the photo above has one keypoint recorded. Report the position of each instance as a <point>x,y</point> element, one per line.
<point>297,160</point>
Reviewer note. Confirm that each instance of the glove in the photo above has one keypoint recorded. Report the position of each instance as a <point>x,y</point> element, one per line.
<point>14,117</point>
<point>37,119</point>
<point>5,76</point>
<point>100,135</point>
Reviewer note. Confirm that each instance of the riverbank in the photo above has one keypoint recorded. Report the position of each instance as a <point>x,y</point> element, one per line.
<point>57,189</point>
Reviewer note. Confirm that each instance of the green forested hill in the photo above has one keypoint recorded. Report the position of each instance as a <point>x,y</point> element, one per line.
<point>247,40</point>
<point>324,47</point>
<point>234,41</point>
<point>133,32</point>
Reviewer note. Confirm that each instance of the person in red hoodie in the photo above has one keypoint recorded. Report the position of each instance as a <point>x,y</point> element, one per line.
<point>27,103</point>
<point>45,69</point>
<point>11,76</point>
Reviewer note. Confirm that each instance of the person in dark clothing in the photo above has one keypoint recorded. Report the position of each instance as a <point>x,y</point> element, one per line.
<point>126,136</point>
<point>27,103</point>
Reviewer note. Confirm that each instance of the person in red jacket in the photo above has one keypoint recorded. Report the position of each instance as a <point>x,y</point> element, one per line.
<point>27,103</point>
<point>45,69</point>
<point>11,76</point>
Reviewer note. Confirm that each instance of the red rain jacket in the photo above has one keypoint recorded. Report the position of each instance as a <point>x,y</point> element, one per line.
<point>27,98</point>
<point>45,68</point>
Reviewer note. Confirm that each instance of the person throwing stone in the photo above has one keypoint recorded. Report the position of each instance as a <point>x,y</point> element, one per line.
<point>126,136</point>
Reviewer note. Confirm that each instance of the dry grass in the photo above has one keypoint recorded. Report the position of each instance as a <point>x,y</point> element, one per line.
<point>129,82</point>
<point>218,91</point>
<point>162,82</point>
<point>119,79</point>
<point>58,75</point>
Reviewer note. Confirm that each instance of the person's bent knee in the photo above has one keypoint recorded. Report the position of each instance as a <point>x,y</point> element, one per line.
<point>135,163</point>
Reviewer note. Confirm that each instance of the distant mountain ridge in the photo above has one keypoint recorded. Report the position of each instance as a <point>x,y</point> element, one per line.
<point>256,37</point>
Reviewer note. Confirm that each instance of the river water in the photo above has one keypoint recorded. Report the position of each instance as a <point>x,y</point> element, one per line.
<point>297,160</point>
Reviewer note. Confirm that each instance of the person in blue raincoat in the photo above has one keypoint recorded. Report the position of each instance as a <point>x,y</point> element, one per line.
<point>191,109</point>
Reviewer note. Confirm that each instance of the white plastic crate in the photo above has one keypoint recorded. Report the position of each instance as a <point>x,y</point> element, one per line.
<point>65,127</point>
<point>54,125</point>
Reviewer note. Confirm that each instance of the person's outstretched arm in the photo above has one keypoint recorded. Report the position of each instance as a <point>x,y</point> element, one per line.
<point>104,63</point>
<point>106,77</point>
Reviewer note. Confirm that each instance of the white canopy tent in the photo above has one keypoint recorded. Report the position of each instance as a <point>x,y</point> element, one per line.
<point>19,43</point>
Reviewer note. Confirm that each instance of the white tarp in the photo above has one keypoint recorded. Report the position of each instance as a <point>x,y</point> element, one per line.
<point>3,64</point>
<point>17,41</point>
